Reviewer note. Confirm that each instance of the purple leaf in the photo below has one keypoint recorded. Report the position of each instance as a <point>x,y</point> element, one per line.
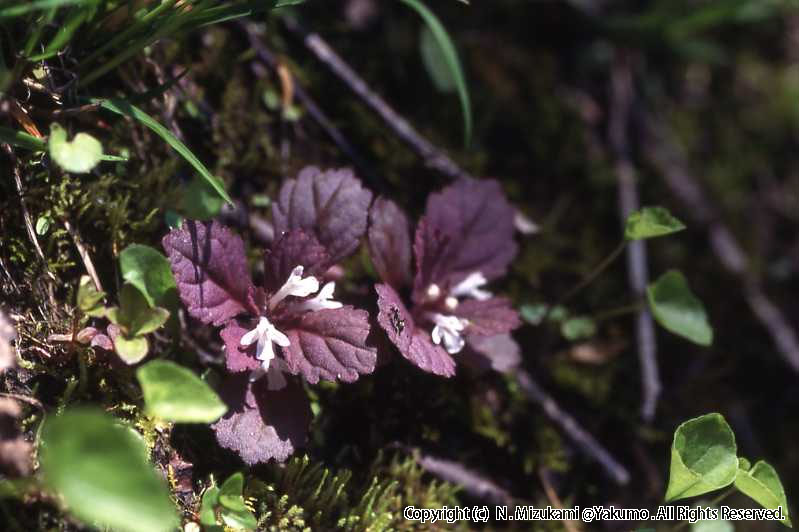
<point>211,271</point>
<point>263,424</point>
<point>413,343</point>
<point>488,317</point>
<point>330,344</point>
<point>475,222</point>
<point>294,248</point>
<point>331,204</point>
<point>500,353</point>
<point>390,242</point>
<point>237,357</point>
<point>430,247</point>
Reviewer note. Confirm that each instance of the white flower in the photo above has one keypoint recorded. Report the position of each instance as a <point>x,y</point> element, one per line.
<point>433,292</point>
<point>448,330</point>
<point>470,287</point>
<point>322,300</point>
<point>265,334</point>
<point>295,286</point>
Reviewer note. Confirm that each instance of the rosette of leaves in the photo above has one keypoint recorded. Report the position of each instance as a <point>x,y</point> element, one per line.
<point>289,328</point>
<point>440,308</point>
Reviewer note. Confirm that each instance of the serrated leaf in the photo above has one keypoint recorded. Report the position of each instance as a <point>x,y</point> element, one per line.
<point>762,484</point>
<point>677,309</point>
<point>131,350</point>
<point>211,271</point>
<point>98,467</point>
<point>651,222</point>
<point>390,243</point>
<point>79,155</point>
<point>262,424</point>
<point>487,317</point>
<point>90,300</point>
<point>332,205</point>
<point>330,344</point>
<point>467,228</point>
<point>413,343</point>
<point>148,270</point>
<point>703,457</point>
<point>234,512</point>
<point>174,393</point>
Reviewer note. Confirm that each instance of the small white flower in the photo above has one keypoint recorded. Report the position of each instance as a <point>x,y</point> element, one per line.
<point>433,292</point>
<point>295,286</point>
<point>451,302</point>
<point>265,334</point>
<point>322,300</point>
<point>470,287</point>
<point>448,330</point>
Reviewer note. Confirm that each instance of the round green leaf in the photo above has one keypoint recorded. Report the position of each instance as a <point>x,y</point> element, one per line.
<point>762,484</point>
<point>149,271</point>
<point>234,512</point>
<point>78,156</point>
<point>651,222</point>
<point>99,469</point>
<point>200,201</point>
<point>174,393</point>
<point>131,350</point>
<point>578,328</point>
<point>677,309</point>
<point>703,457</point>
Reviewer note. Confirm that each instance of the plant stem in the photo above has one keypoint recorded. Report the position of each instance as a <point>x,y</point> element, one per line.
<point>714,502</point>
<point>593,274</point>
<point>630,308</point>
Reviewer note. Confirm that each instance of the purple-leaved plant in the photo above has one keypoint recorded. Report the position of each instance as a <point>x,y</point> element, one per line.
<point>464,241</point>
<point>290,326</point>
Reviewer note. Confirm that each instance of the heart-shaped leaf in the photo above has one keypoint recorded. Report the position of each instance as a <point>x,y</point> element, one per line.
<point>148,270</point>
<point>578,328</point>
<point>131,349</point>
<point>134,315</point>
<point>99,468</point>
<point>762,484</point>
<point>651,222</point>
<point>677,309</point>
<point>78,156</point>
<point>703,457</point>
<point>174,393</point>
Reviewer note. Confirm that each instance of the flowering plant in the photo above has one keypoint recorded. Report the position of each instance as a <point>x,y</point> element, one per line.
<point>290,326</point>
<point>464,241</point>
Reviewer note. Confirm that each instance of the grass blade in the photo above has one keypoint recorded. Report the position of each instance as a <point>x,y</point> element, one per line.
<point>124,108</point>
<point>450,54</point>
<point>20,139</point>
<point>37,5</point>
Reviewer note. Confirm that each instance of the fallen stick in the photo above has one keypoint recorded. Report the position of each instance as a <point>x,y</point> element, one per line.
<point>585,442</point>
<point>621,90</point>
<point>668,157</point>
<point>432,156</point>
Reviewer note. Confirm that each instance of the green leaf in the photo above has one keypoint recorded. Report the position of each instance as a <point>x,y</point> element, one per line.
<point>199,201</point>
<point>148,270</point>
<point>78,156</point>
<point>234,512</point>
<point>703,457</point>
<point>131,349</point>
<point>126,109</point>
<point>90,300</point>
<point>210,501</point>
<point>651,222</point>
<point>762,484</point>
<point>35,5</point>
<point>134,315</point>
<point>174,393</point>
<point>677,309</point>
<point>97,466</point>
<point>578,328</point>
<point>435,62</point>
<point>20,139</point>
<point>43,225</point>
<point>450,57</point>
<point>534,313</point>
